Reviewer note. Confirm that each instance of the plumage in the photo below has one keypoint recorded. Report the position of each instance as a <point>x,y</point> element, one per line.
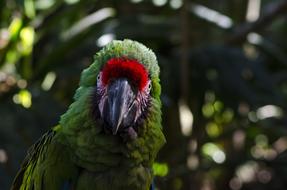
<point>81,152</point>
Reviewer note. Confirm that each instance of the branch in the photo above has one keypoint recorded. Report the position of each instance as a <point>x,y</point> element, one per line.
<point>272,12</point>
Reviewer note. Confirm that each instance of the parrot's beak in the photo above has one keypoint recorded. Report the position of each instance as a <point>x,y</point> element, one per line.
<point>118,105</point>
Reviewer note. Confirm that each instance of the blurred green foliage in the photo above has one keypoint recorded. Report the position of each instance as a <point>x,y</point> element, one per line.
<point>224,106</point>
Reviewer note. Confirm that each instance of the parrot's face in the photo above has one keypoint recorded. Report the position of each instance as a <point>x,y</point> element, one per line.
<point>122,95</point>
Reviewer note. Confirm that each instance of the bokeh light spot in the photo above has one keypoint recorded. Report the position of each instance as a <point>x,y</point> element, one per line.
<point>160,169</point>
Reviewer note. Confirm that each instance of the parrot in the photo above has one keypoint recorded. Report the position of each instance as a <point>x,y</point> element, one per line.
<point>110,135</point>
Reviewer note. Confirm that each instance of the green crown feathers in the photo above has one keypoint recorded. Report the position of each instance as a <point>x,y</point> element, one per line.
<point>125,48</point>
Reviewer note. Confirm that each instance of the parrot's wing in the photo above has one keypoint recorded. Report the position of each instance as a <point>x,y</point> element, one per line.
<point>47,166</point>
<point>31,159</point>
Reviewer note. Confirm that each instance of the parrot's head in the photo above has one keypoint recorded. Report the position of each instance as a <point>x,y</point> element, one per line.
<point>116,110</point>
<point>121,89</point>
<point>122,94</point>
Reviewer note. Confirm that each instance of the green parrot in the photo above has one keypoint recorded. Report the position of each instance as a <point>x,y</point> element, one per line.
<point>110,135</point>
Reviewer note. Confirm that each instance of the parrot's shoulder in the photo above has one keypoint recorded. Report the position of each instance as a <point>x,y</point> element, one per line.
<point>47,164</point>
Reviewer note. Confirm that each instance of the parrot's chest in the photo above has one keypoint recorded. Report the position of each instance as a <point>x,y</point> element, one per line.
<point>138,178</point>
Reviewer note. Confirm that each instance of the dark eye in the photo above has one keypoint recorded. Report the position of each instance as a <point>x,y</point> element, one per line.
<point>98,77</point>
<point>149,86</point>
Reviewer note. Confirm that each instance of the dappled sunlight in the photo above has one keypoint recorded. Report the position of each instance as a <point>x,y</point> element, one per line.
<point>27,39</point>
<point>280,145</point>
<point>44,4</point>
<point>4,38</point>
<point>175,4</point>
<point>23,98</point>
<point>15,27</point>
<point>3,156</point>
<point>105,39</point>
<point>238,139</point>
<point>253,10</point>
<point>254,38</point>
<point>29,7</point>
<point>160,169</point>
<point>192,146</point>
<point>186,118</point>
<point>48,81</point>
<point>159,3</point>
<point>262,149</point>
<point>136,1</point>
<point>21,83</point>
<point>208,110</point>
<point>214,151</point>
<point>269,111</point>
<point>213,129</point>
<point>70,2</point>
<point>212,15</point>
<point>247,172</point>
<point>192,162</point>
<point>7,82</point>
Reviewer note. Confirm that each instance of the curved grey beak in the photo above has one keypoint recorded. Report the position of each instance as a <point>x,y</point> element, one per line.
<point>117,107</point>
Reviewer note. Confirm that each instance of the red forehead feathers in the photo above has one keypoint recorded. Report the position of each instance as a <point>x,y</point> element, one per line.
<point>126,68</point>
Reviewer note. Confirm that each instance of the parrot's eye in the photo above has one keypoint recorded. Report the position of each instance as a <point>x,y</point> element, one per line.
<point>149,86</point>
<point>98,77</point>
